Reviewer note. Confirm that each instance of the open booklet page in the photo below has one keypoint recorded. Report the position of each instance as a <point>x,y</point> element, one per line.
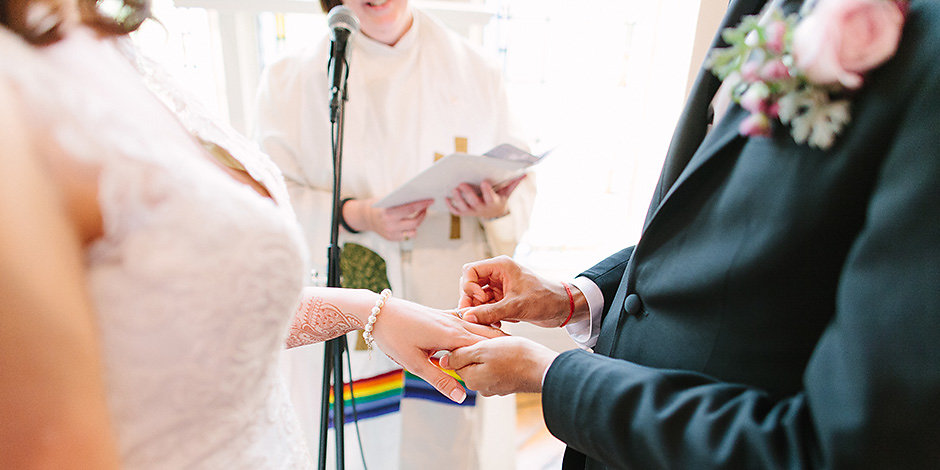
<point>499,165</point>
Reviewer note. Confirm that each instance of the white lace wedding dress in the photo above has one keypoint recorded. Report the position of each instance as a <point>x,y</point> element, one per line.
<point>195,278</point>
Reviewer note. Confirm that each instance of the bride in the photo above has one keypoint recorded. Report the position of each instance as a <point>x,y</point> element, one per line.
<point>151,267</point>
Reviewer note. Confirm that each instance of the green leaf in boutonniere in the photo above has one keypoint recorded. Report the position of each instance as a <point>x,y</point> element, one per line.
<point>798,69</point>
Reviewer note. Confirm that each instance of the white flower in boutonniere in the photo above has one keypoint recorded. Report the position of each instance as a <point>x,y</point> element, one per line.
<point>802,68</point>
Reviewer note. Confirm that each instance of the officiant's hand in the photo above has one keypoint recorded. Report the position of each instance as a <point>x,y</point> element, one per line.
<point>485,202</point>
<point>499,289</point>
<point>392,223</point>
<point>411,333</point>
<point>501,366</point>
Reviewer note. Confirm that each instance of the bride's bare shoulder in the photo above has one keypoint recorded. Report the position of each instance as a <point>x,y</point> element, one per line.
<point>52,388</point>
<point>33,164</point>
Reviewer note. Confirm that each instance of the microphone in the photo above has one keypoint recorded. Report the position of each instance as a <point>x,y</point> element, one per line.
<point>343,24</point>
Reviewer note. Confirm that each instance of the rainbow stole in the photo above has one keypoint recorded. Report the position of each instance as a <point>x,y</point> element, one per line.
<point>382,394</point>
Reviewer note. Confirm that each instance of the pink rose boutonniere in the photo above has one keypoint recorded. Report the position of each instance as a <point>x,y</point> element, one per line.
<point>800,69</point>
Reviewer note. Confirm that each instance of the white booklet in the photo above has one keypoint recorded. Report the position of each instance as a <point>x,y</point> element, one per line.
<point>499,165</point>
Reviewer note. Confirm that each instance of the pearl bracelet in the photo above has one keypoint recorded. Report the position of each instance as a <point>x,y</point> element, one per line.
<point>370,325</point>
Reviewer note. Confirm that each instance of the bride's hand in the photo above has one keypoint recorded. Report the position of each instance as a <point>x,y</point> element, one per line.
<point>411,333</point>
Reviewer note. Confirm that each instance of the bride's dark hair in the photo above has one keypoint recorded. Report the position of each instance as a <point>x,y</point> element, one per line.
<point>40,21</point>
<point>37,21</point>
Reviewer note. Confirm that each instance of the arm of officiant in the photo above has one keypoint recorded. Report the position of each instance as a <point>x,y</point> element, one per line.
<point>391,223</point>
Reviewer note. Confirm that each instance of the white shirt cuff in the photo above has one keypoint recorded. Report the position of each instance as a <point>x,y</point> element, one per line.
<point>585,332</point>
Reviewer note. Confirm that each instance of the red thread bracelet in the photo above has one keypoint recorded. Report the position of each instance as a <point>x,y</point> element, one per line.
<point>570,302</point>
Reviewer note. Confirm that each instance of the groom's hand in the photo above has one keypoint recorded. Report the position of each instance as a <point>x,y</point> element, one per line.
<point>411,333</point>
<point>498,289</point>
<point>502,365</point>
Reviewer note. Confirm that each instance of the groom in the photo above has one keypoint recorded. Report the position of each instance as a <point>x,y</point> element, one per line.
<point>781,309</point>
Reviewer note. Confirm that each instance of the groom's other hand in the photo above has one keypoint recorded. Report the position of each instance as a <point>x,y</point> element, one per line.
<point>499,289</point>
<point>501,366</point>
<point>410,333</point>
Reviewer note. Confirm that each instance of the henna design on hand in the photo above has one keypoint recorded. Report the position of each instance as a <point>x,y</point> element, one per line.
<point>318,321</point>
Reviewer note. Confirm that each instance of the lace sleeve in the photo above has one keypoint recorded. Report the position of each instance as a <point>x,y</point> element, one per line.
<point>317,320</point>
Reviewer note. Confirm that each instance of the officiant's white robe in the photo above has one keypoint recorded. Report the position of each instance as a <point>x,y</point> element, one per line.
<point>406,104</point>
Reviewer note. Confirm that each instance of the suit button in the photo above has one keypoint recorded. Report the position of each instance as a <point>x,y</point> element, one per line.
<point>633,305</point>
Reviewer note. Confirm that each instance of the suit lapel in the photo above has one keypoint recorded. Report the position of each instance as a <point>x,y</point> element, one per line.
<point>688,141</point>
<point>694,157</point>
<point>693,123</point>
<point>719,138</point>
<point>725,133</point>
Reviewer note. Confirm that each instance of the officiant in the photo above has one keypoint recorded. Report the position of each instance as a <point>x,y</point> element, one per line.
<point>417,92</point>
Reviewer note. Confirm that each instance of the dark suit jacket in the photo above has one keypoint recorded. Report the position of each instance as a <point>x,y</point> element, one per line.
<point>782,307</point>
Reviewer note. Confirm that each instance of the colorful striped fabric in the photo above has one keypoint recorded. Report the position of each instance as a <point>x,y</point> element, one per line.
<point>416,387</point>
<point>382,394</point>
<point>375,396</point>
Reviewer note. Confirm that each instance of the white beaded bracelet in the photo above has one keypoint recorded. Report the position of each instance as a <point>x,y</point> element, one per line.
<point>370,325</point>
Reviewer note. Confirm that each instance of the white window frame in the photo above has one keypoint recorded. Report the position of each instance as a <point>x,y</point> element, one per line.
<point>236,25</point>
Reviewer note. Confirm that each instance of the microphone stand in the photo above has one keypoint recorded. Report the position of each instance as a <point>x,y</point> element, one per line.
<point>334,348</point>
